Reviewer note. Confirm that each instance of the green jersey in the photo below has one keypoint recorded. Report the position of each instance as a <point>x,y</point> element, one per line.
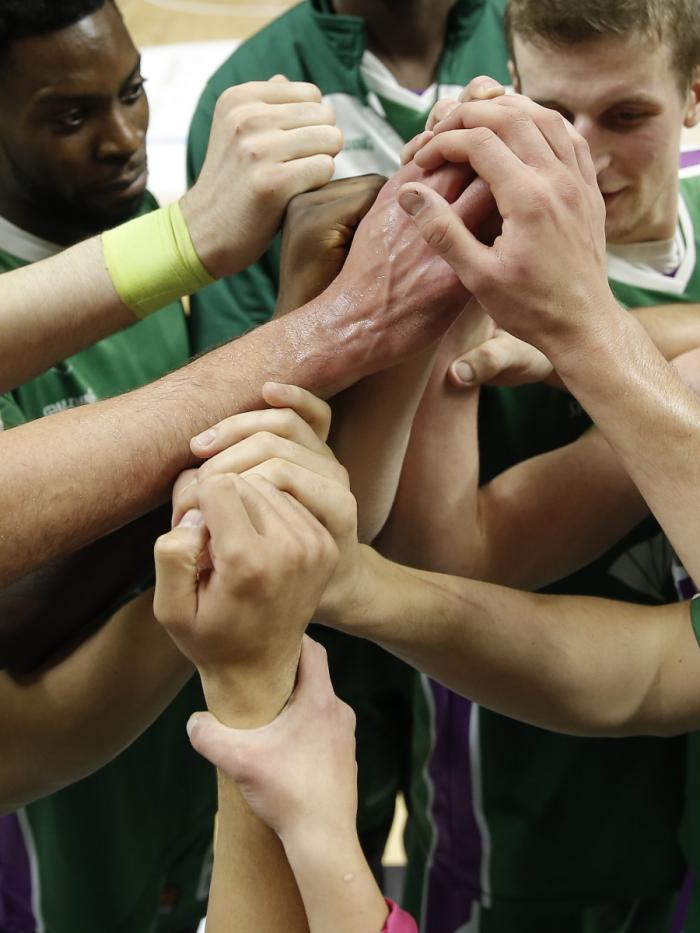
<point>128,848</point>
<point>311,43</point>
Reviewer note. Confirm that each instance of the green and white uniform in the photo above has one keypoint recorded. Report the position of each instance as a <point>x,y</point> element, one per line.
<point>548,832</point>
<point>376,115</point>
<point>128,849</point>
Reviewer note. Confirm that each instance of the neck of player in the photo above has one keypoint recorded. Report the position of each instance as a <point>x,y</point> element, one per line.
<point>408,36</point>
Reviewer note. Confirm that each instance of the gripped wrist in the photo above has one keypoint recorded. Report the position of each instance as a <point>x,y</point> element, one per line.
<point>249,696</point>
<point>203,222</point>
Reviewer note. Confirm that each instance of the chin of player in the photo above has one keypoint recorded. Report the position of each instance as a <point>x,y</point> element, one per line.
<point>110,213</point>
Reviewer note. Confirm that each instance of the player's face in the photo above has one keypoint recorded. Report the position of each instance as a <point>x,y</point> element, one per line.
<point>624,98</point>
<point>73,120</point>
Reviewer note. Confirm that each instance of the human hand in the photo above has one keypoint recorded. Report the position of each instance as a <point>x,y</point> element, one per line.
<point>545,277</point>
<point>317,233</point>
<point>285,446</point>
<point>270,140</point>
<point>479,88</point>
<point>501,360</point>
<point>241,618</point>
<point>394,296</point>
<point>298,773</point>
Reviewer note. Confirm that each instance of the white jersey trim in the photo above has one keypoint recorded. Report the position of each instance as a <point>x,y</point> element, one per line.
<point>33,869</point>
<point>627,274</point>
<point>25,245</point>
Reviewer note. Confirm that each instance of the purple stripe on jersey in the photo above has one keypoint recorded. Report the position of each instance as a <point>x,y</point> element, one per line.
<point>682,905</point>
<point>455,870</point>
<point>16,915</point>
<point>690,157</point>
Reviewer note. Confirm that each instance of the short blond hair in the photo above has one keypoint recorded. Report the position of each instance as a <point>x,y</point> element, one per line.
<point>675,23</point>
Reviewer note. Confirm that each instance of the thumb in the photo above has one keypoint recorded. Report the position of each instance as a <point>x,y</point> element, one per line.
<point>218,743</point>
<point>176,555</point>
<point>442,229</point>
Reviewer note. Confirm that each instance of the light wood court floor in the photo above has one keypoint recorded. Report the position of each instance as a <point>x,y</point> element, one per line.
<point>160,22</point>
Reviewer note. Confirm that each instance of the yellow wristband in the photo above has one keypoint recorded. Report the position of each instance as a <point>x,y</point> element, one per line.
<point>152,260</point>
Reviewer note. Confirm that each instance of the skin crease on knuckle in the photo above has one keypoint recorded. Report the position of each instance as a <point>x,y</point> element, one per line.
<point>437,235</point>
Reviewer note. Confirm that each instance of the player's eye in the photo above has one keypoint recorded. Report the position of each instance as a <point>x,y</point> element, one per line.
<point>69,120</point>
<point>134,91</point>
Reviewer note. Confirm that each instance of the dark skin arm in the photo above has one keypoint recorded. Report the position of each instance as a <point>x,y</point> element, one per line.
<point>63,600</point>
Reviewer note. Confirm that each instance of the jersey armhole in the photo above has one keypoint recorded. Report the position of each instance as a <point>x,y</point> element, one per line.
<point>695,616</point>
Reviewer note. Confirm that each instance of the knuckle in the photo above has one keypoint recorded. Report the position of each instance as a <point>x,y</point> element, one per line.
<point>436,232</point>
<point>482,136</point>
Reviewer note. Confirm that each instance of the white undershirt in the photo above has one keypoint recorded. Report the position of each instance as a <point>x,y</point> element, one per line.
<point>662,256</point>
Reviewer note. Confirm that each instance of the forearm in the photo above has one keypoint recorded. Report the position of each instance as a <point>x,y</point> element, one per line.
<point>76,476</point>
<point>252,879</point>
<point>44,611</point>
<point>561,663</point>
<point>650,418</point>
<point>370,432</point>
<point>434,523</point>
<point>72,303</point>
<point>674,329</point>
<point>338,889</point>
<point>86,708</point>
<point>535,532</point>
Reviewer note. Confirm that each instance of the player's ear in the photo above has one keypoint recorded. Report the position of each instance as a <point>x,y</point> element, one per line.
<point>692,112</point>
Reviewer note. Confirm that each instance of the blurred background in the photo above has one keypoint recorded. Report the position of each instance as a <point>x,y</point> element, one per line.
<point>183,42</point>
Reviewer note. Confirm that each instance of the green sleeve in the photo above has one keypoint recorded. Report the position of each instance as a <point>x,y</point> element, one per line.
<point>695,616</point>
<point>10,413</point>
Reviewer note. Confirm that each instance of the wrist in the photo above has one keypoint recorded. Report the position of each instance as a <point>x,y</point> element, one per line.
<point>201,216</point>
<point>350,600</point>
<point>250,695</point>
<point>584,336</point>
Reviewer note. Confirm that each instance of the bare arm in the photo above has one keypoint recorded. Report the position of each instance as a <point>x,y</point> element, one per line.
<point>232,213</point>
<point>372,419</point>
<point>654,426</point>
<point>77,475</point>
<point>44,611</point>
<point>573,664</point>
<point>84,709</point>
<point>570,664</point>
<point>555,224</point>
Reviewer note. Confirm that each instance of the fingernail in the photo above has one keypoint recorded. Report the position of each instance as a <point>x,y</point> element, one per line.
<point>463,372</point>
<point>205,439</point>
<point>191,519</point>
<point>191,723</point>
<point>411,202</point>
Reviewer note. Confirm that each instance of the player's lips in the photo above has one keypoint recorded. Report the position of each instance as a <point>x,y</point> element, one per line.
<point>126,185</point>
<point>609,196</point>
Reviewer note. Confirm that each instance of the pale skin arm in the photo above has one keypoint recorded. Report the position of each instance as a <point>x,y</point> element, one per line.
<point>375,415</point>
<point>569,664</point>
<point>241,619</point>
<point>84,709</point>
<point>524,528</point>
<point>232,213</point>
<point>542,177</point>
<point>79,474</point>
<point>505,360</point>
<point>299,776</point>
